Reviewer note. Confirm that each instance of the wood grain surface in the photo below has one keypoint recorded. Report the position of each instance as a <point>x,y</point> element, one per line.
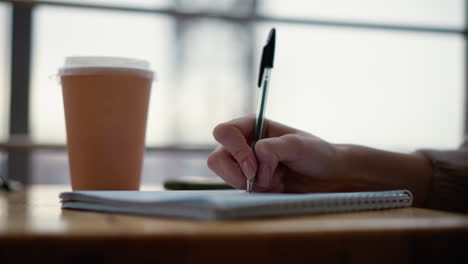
<point>33,226</point>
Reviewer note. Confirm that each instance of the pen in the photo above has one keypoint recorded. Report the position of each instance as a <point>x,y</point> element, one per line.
<point>266,65</point>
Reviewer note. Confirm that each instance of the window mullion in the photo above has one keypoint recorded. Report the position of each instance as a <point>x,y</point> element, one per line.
<point>19,160</point>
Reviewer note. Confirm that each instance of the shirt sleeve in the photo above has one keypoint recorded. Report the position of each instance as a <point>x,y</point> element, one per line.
<point>449,186</point>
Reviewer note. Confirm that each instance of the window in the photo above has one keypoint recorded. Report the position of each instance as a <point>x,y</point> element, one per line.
<point>394,90</point>
<point>194,74</point>
<point>62,31</point>
<point>435,13</point>
<point>122,3</point>
<point>5,17</point>
<point>387,74</point>
<point>343,84</point>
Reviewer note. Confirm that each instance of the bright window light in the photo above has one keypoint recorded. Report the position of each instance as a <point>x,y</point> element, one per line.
<point>5,17</point>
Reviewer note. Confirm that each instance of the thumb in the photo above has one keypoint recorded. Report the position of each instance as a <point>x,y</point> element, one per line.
<point>271,151</point>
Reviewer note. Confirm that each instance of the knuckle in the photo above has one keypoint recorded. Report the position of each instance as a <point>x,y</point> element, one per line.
<point>260,146</point>
<point>263,147</point>
<point>294,140</point>
<point>297,143</point>
<point>250,118</point>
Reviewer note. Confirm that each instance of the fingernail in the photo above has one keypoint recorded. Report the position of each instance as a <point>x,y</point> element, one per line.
<point>248,169</point>
<point>264,175</point>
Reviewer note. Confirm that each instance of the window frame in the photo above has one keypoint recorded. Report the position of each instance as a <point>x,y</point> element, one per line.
<point>19,145</point>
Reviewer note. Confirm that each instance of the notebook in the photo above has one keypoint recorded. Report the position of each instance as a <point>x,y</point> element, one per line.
<point>230,204</point>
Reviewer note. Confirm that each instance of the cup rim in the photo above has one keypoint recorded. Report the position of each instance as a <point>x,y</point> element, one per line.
<point>74,64</point>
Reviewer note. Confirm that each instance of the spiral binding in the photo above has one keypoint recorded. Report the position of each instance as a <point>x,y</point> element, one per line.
<point>326,203</point>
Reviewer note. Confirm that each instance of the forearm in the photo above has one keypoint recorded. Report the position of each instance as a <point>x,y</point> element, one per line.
<point>371,169</point>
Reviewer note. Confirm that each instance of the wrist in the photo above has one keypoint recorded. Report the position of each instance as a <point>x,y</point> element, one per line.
<point>366,169</point>
<point>423,180</point>
<point>347,155</point>
<point>346,169</point>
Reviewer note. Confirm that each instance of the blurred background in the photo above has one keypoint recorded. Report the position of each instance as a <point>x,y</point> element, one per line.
<point>386,74</point>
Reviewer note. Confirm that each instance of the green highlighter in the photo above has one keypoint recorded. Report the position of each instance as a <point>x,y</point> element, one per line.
<point>196,183</point>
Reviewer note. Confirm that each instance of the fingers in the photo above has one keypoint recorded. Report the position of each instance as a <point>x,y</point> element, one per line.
<point>276,183</point>
<point>233,136</point>
<point>236,136</point>
<point>235,160</point>
<point>271,151</point>
<point>246,125</point>
<point>222,163</point>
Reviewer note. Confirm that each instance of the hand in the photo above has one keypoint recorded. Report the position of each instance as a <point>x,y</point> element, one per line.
<point>287,159</point>
<point>290,160</point>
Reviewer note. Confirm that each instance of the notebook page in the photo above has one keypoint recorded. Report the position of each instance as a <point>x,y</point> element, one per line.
<point>143,196</point>
<point>231,204</point>
<point>234,198</point>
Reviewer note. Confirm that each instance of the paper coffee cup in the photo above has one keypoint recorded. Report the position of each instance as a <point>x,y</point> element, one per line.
<point>106,106</point>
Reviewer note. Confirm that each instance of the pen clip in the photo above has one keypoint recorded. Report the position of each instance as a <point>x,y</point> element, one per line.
<point>268,55</point>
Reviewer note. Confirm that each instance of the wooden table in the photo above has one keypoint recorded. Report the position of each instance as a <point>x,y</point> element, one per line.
<point>33,227</point>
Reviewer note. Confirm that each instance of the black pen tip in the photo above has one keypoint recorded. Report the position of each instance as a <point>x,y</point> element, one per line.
<point>268,54</point>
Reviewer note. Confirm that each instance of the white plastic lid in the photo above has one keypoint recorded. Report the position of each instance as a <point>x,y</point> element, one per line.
<point>72,64</point>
